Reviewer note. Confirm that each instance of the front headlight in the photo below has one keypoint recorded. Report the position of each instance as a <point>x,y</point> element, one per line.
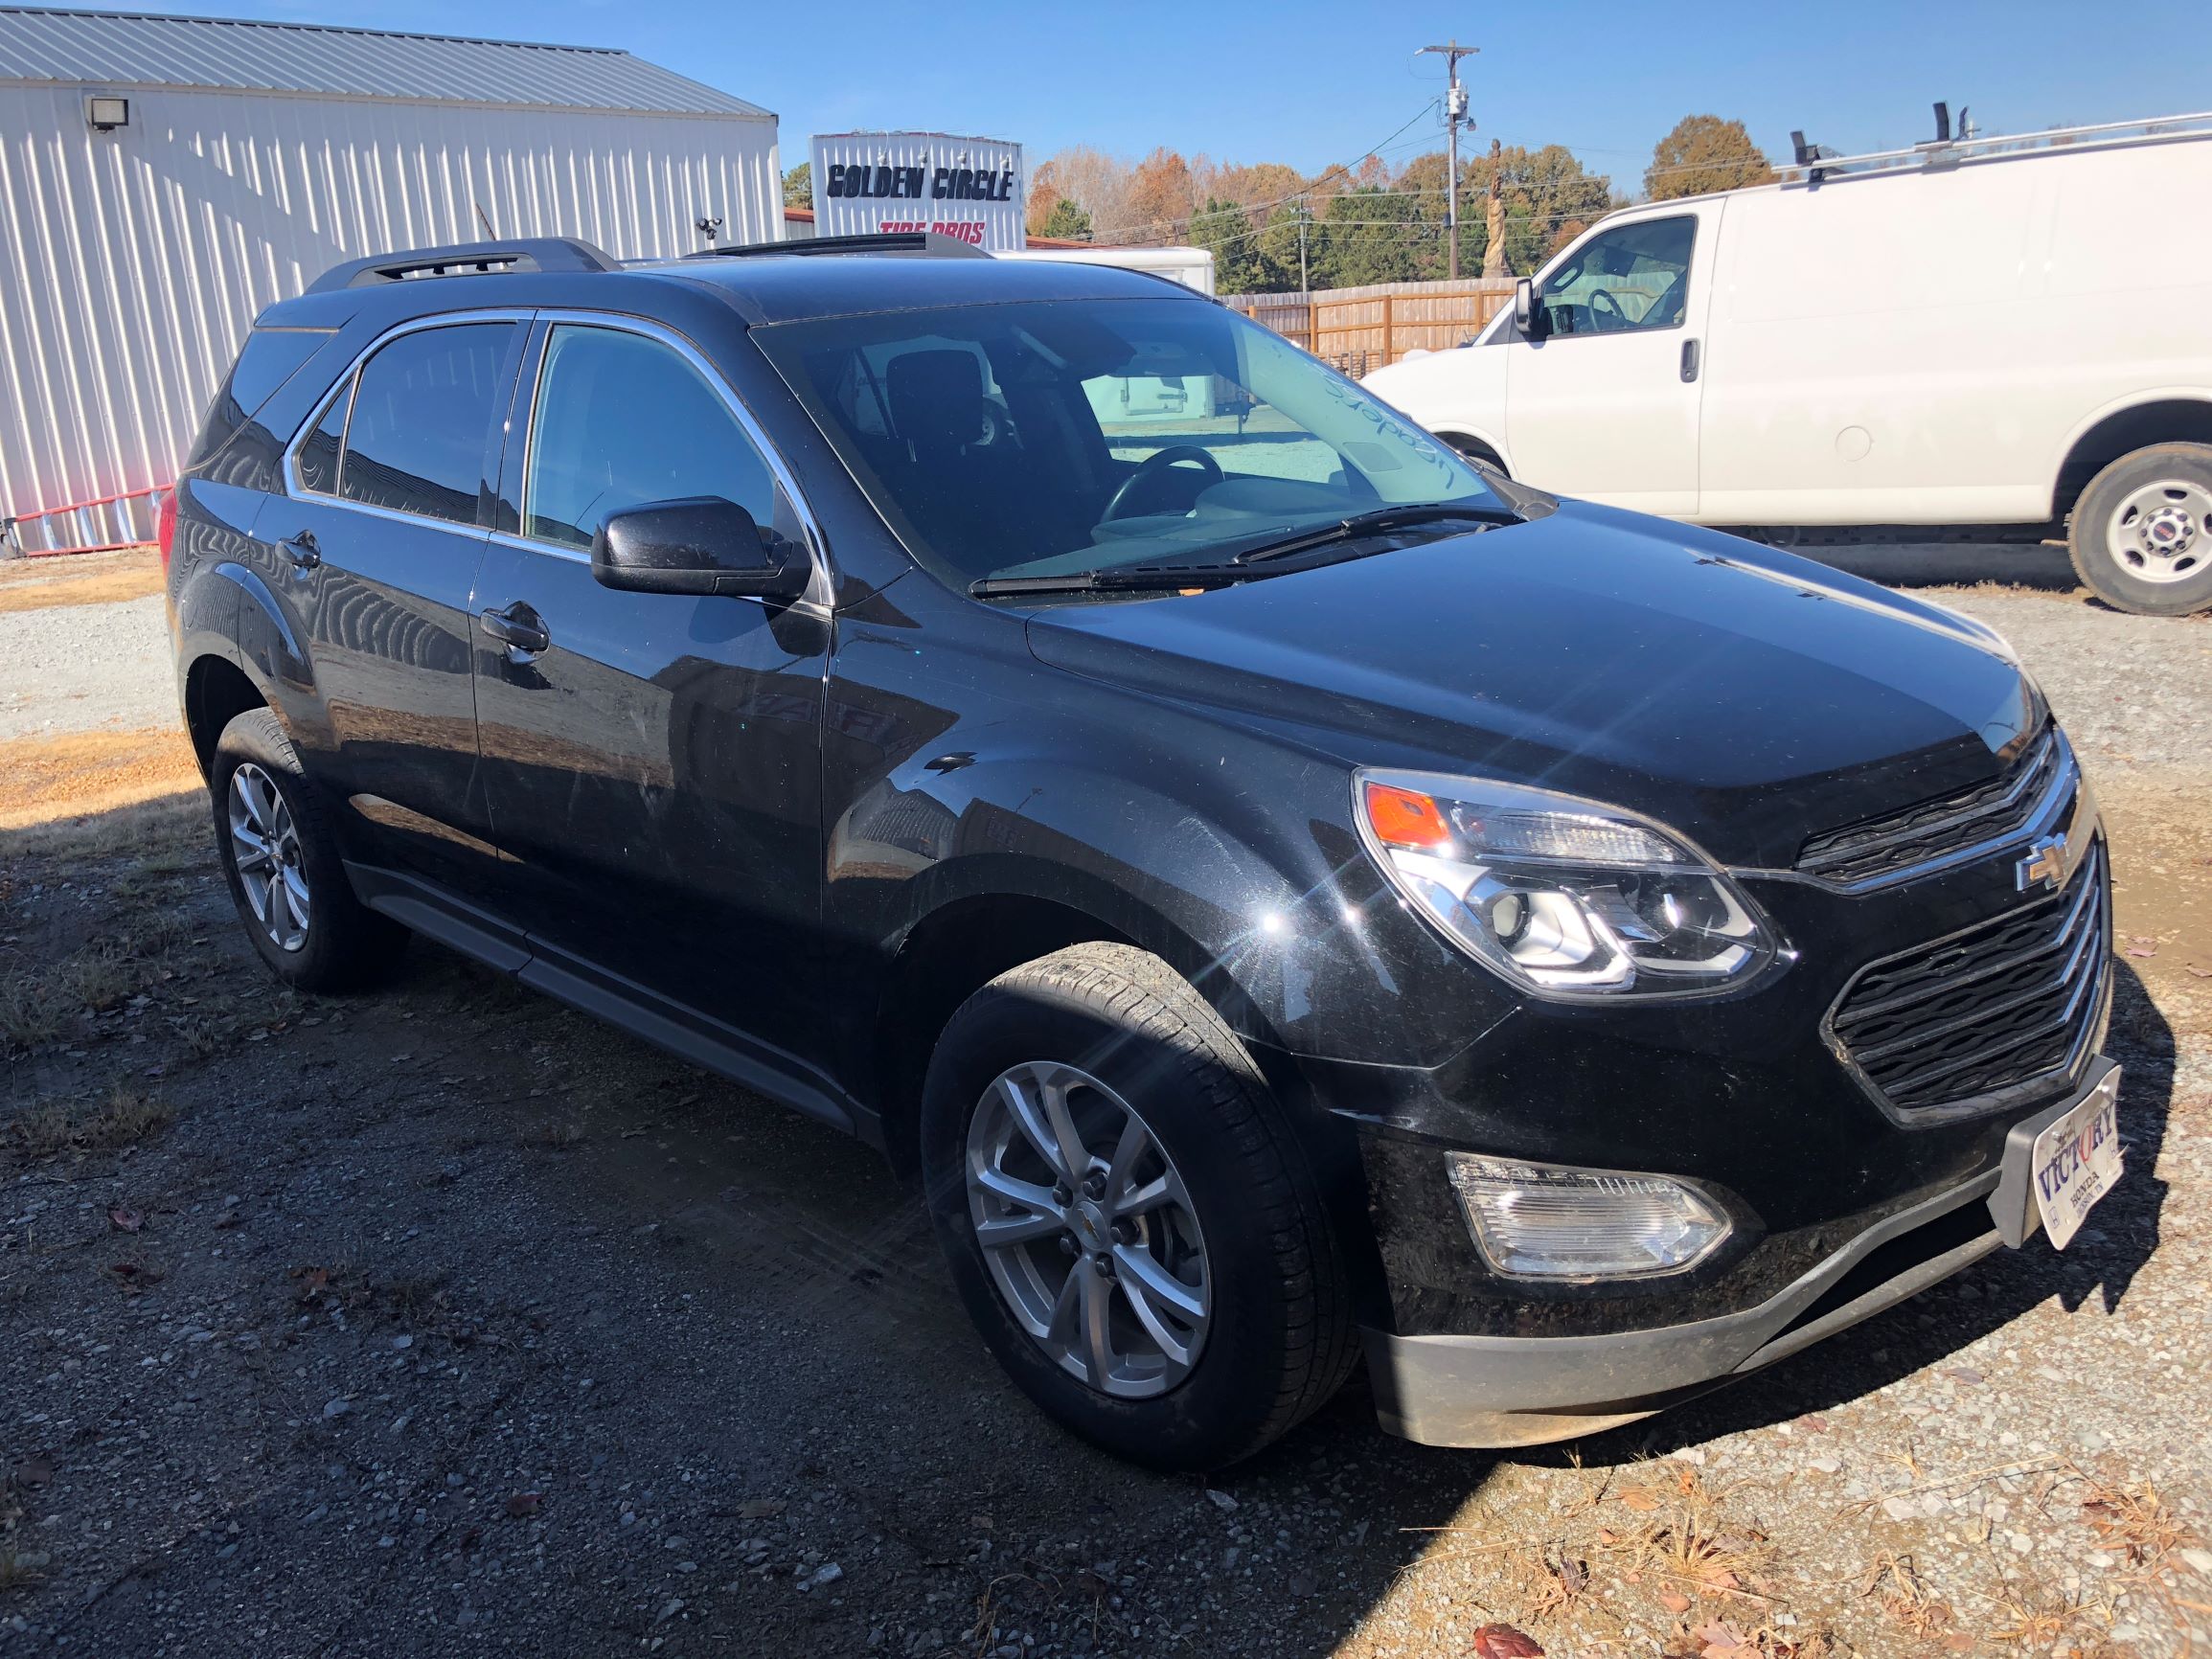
<point>1562,895</point>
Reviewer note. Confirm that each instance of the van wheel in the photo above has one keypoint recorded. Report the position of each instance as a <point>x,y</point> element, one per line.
<point>280,859</point>
<point>2141,537</point>
<point>1474,449</point>
<point>1128,1217</point>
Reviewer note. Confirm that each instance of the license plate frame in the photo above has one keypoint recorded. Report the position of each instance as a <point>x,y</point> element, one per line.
<point>2041,1189</point>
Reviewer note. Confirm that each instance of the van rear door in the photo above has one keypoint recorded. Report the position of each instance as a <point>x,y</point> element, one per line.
<point>1606,403</point>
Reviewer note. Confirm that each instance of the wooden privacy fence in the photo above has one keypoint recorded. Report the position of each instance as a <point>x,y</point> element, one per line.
<point>1359,330</point>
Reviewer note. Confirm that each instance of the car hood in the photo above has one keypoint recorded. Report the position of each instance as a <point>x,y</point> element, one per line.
<point>1746,696</point>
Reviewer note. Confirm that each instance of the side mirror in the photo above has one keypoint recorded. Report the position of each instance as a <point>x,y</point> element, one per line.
<point>1528,313</point>
<point>700,544</point>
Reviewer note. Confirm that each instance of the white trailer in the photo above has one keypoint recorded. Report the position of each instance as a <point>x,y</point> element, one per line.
<point>162,179</point>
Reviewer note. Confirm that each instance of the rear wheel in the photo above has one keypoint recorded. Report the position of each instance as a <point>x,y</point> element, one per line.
<point>280,856</point>
<point>2141,537</point>
<point>1128,1215</point>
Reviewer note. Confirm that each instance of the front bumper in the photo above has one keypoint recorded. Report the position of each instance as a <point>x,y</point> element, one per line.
<point>1481,1390</point>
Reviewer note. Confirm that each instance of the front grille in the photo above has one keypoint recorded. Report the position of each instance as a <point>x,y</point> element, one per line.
<point>1986,1012</point>
<point>1902,844</point>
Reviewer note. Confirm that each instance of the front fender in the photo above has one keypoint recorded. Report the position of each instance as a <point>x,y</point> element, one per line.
<point>1269,905</point>
<point>1135,860</point>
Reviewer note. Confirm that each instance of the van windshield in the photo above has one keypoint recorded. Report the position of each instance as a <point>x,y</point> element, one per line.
<point>1041,439</point>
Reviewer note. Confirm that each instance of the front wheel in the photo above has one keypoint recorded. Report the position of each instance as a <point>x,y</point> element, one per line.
<point>1129,1218</point>
<point>2141,537</point>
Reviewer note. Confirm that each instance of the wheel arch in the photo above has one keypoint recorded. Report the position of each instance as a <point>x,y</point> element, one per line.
<point>2178,416</point>
<point>978,928</point>
<point>1476,446</point>
<point>217,690</point>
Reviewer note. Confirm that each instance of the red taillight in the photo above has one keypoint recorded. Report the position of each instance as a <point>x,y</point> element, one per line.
<point>165,527</point>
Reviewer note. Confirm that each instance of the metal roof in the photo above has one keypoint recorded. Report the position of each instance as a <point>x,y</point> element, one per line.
<point>139,49</point>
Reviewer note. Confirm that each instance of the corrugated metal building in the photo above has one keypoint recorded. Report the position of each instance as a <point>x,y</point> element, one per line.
<point>252,156</point>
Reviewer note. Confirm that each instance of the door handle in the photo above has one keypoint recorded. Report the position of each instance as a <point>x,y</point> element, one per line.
<point>1689,361</point>
<point>517,628</point>
<point>302,550</point>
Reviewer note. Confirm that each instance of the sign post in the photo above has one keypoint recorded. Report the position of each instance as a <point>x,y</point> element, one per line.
<point>874,183</point>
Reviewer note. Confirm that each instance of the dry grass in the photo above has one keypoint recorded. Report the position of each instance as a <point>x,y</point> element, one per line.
<point>31,1015</point>
<point>1684,1536</point>
<point>1906,1598</point>
<point>2136,1524</point>
<point>555,1135</point>
<point>123,1119</point>
<point>93,579</point>
<point>49,781</point>
<point>37,1005</point>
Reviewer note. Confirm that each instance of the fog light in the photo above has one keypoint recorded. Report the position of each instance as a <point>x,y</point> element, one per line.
<point>1542,1221</point>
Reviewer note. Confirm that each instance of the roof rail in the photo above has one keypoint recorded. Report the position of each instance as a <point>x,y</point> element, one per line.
<point>936,244</point>
<point>467,258</point>
<point>1943,150</point>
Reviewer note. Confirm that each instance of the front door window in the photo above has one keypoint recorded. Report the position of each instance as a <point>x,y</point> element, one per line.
<point>621,420</point>
<point>1629,280</point>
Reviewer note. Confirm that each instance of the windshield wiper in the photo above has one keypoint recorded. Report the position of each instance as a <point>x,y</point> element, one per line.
<point>1163,578</point>
<point>1381,520</point>
<point>1115,578</point>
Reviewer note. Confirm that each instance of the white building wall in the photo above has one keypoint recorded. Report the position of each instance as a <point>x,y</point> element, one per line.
<point>133,263</point>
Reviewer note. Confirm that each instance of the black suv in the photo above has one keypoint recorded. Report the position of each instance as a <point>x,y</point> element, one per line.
<point>1282,889</point>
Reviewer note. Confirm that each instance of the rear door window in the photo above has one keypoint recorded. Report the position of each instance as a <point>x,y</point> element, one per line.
<point>317,463</point>
<point>415,434</point>
<point>623,419</point>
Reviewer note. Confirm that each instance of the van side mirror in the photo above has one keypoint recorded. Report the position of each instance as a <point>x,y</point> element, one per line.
<point>700,544</point>
<point>1528,313</point>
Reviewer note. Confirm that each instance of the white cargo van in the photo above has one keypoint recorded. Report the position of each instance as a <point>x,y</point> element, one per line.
<point>2001,338</point>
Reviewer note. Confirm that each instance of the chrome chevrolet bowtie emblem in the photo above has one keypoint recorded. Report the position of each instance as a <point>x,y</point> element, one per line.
<point>2046,862</point>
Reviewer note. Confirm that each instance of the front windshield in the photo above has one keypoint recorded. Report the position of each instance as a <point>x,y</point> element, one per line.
<point>1048,438</point>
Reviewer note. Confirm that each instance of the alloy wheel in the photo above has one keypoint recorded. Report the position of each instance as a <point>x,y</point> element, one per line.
<point>271,863</point>
<point>1088,1230</point>
<point>2163,531</point>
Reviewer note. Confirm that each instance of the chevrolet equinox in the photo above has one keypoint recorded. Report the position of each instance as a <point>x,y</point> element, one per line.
<point>1286,892</point>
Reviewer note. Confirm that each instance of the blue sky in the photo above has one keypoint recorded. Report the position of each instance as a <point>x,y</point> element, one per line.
<point>1314,82</point>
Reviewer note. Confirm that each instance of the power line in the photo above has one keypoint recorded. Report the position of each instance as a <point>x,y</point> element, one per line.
<point>1602,180</point>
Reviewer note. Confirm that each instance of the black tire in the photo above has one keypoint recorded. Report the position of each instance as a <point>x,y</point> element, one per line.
<point>345,945</point>
<point>1474,449</point>
<point>2108,555</point>
<point>1282,1339</point>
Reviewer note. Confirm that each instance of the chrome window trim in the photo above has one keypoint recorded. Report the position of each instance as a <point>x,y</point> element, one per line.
<point>779,469</point>
<point>349,383</point>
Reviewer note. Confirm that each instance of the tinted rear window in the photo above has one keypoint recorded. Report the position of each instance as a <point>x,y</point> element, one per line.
<point>270,357</point>
<point>421,417</point>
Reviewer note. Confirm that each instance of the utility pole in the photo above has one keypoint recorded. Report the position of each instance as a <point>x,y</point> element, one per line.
<point>1454,113</point>
<point>1305,213</point>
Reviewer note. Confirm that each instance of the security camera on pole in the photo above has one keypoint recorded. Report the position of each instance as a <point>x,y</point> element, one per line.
<point>1454,113</point>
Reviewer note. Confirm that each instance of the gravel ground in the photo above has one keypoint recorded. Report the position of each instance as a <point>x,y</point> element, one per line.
<point>441,1320</point>
<point>79,667</point>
